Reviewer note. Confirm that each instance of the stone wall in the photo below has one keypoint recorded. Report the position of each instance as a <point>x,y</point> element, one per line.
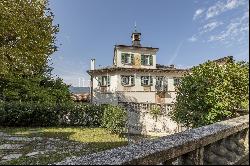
<point>142,121</point>
<point>222,143</point>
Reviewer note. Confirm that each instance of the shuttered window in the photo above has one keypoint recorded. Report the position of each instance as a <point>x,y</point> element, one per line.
<point>127,80</point>
<point>104,80</point>
<point>127,58</point>
<point>176,81</point>
<point>147,60</point>
<point>146,80</point>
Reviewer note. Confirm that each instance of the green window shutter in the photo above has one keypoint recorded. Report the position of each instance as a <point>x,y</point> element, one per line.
<point>99,79</point>
<point>142,59</point>
<point>132,80</point>
<point>132,59</point>
<point>151,80</point>
<point>142,81</point>
<point>123,58</point>
<point>151,60</point>
<point>108,80</point>
<point>122,80</point>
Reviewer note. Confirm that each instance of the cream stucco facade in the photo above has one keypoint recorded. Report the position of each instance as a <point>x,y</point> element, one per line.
<point>138,64</point>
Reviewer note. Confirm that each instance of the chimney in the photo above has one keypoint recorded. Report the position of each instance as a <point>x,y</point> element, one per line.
<point>92,64</point>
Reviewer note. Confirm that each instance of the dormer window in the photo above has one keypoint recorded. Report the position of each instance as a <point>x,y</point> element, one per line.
<point>147,60</point>
<point>127,59</point>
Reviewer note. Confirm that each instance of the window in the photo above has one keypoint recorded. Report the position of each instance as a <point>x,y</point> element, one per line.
<point>127,59</point>
<point>147,60</point>
<point>127,80</point>
<point>177,81</point>
<point>104,80</point>
<point>136,37</point>
<point>159,80</point>
<point>146,81</point>
<point>161,83</point>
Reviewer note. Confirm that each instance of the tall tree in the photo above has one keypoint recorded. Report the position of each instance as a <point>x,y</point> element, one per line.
<point>27,36</point>
<point>27,40</point>
<point>211,93</point>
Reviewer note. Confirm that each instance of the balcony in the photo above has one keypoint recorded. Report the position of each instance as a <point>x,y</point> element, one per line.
<point>161,87</point>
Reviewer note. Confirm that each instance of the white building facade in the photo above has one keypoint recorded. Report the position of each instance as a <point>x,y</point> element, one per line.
<point>134,77</point>
<point>136,82</point>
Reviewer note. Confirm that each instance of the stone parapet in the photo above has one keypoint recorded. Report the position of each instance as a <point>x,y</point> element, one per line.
<point>224,142</point>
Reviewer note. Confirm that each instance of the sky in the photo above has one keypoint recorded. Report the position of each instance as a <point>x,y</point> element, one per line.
<point>187,32</point>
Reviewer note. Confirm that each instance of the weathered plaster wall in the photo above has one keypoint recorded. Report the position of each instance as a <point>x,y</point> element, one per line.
<point>141,120</point>
<point>137,54</point>
<point>136,93</point>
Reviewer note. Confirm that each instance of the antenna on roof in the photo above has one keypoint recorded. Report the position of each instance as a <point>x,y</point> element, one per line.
<point>135,26</point>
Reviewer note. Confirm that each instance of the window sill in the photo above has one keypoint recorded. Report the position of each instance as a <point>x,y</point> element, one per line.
<point>147,85</point>
<point>128,85</point>
<point>147,65</point>
<point>104,85</point>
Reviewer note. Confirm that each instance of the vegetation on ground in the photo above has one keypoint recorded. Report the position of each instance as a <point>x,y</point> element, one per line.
<point>155,112</point>
<point>73,141</point>
<point>29,114</point>
<point>211,93</point>
<point>114,118</point>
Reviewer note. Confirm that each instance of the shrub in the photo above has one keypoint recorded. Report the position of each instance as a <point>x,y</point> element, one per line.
<point>77,114</point>
<point>30,114</point>
<point>155,112</point>
<point>27,114</point>
<point>114,118</point>
<point>211,93</point>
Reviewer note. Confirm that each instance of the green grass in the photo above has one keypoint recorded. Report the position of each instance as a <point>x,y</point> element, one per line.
<point>92,140</point>
<point>70,133</point>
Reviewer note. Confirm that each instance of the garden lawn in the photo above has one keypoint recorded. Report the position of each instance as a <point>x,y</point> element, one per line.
<point>50,145</point>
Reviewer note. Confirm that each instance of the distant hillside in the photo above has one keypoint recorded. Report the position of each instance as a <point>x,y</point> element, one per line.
<point>77,90</point>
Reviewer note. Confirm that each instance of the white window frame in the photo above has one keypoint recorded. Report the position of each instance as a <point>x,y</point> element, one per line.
<point>104,81</point>
<point>147,60</point>
<point>163,83</point>
<point>128,59</point>
<point>178,82</point>
<point>159,79</point>
<point>128,81</point>
<point>144,79</point>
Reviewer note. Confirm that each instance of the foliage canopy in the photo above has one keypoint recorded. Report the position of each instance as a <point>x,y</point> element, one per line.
<point>27,41</point>
<point>27,36</point>
<point>212,92</point>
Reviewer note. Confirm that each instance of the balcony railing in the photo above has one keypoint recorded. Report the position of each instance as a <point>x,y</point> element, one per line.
<point>161,87</point>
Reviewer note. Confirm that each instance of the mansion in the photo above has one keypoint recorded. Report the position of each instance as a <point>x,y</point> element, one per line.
<point>136,82</point>
<point>134,77</point>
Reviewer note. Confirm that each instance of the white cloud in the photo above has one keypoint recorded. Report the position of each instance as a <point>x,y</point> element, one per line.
<point>192,39</point>
<point>222,6</point>
<point>198,13</point>
<point>236,30</point>
<point>210,26</point>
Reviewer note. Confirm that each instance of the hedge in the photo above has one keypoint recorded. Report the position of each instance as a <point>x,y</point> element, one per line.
<point>28,114</point>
